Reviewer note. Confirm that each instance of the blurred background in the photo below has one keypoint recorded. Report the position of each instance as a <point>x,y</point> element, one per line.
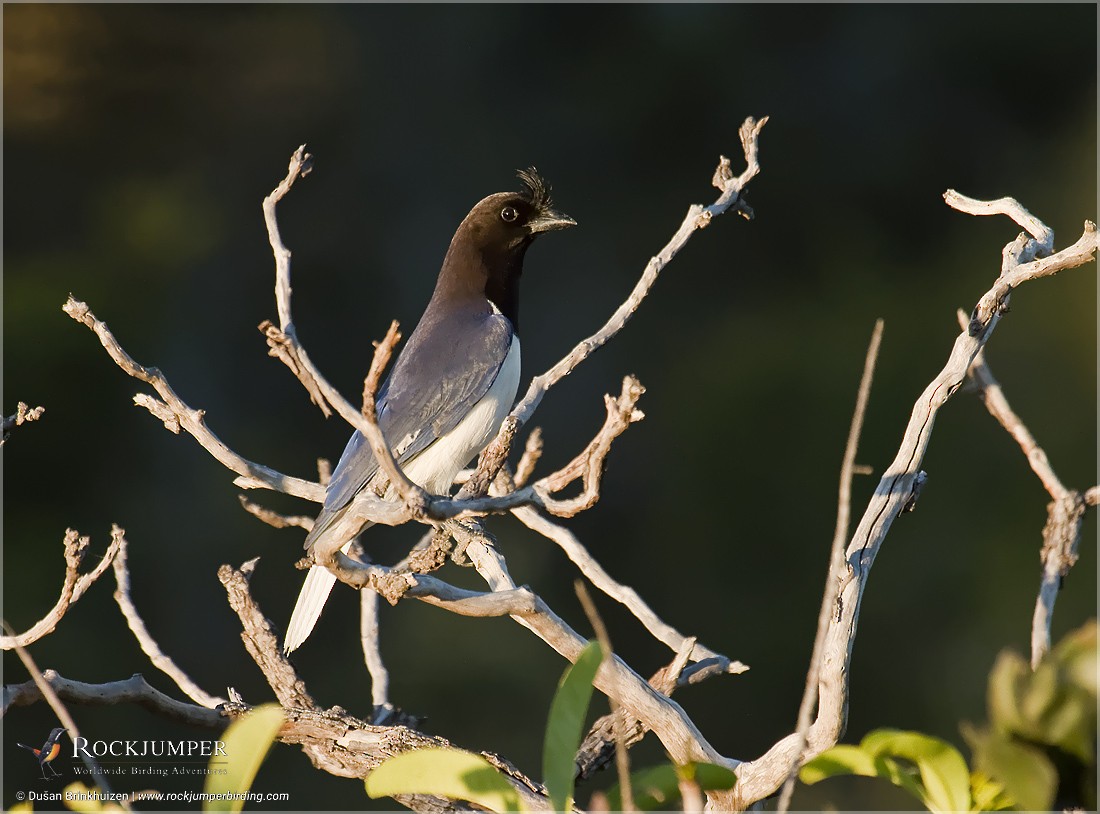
<point>139,142</point>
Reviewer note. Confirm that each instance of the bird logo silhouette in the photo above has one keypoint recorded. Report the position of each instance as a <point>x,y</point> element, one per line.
<point>50,749</point>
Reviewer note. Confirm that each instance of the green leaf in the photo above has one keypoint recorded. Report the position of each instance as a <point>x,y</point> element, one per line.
<point>836,762</point>
<point>79,797</point>
<point>1005,685</point>
<point>450,773</point>
<point>246,742</point>
<point>1029,778</point>
<point>659,786</point>
<point>988,794</point>
<point>944,775</point>
<point>566,726</point>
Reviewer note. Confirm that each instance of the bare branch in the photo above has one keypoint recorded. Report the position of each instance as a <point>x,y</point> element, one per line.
<point>895,492</point>
<point>333,740</point>
<point>698,217</point>
<point>668,721</point>
<point>618,725</point>
<point>532,451</point>
<point>283,341</point>
<point>589,464</point>
<point>1061,535</point>
<point>372,653</point>
<point>23,414</point>
<point>274,519</point>
<point>149,646</point>
<point>176,415</point>
<point>260,640</point>
<point>623,594</point>
<point>42,687</point>
<point>1023,259</point>
<point>836,560</point>
<point>133,690</point>
<point>1062,531</point>
<point>991,394</point>
<point>616,679</point>
<point>415,498</point>
<point>72,588</point>
<point>1010,207</point>
<point>599,745</point>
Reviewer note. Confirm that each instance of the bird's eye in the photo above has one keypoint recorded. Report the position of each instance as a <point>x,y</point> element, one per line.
<point>509,214</point>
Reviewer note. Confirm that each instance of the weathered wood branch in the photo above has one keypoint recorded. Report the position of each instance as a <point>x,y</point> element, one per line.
<point>73,587</point>
<point>23,414</point>
<point>896,493</point>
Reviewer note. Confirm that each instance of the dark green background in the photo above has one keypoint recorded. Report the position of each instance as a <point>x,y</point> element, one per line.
<point>139,142</point>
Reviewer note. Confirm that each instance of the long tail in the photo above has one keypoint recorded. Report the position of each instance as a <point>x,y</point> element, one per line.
<point>311,601</point>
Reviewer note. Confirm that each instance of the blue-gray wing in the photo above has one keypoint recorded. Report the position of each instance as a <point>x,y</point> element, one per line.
<point>448,365</point>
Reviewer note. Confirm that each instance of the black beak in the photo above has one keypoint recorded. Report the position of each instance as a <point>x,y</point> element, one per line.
<point>549,220</point>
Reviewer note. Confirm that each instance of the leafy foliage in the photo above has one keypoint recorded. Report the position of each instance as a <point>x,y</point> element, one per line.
<point>461,775</point>
<point>565,726</point>
<point>247,741</point>
<point>450,773</point>
<point>1041,738</point>
<point>660,787</point>
<point>1037,753</point>
<point>930,769</point>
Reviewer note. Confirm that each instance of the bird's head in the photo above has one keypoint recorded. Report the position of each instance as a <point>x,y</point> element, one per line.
<point>507,222</point>
<point>487,251</point>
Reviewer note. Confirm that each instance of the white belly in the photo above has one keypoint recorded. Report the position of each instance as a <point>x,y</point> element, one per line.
<point>435,468</point>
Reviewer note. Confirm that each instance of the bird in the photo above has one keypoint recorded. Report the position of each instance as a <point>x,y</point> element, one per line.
<point>453,383</point>
<point>50,749</point>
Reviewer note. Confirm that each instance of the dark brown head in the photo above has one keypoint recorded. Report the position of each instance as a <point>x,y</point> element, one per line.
<point>486,253</point>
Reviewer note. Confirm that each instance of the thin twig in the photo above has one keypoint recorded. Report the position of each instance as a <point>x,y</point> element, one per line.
<point>274,519</point>
<point>133,690</point>
<point>895,493</point>
<point>1065,512</point>
<point>23,414</point>
<point>532,451</point>
<point>415,498</point>
<point>600,743</point>
<point>176,415</point>
<point>42,685</point>
<point>372,652</point>
<point>622,760</point>
<point>1061,534</point>
<point>698,217</point>
<point>148,644</point>
<point>623,594</point>
<point>72,588</point>
<point>261,641</point>
<point>991,394</point>
<point>836,559</point>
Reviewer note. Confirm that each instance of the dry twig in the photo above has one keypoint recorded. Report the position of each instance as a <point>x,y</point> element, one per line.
<point>133,690</point>
<point>618,725</point>
<point>41,685</point>
<point>176,415</point>
<point>23,414</point>
<point>1065,512</point>
<point>623,594</point>
<point>72,588</point>
<point>836,560</point>
<point>148,644</point>
<point>895,493</point>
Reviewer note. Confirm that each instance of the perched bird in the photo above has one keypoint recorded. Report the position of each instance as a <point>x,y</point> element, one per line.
<point>50,749</point>
<point>453,383</point>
